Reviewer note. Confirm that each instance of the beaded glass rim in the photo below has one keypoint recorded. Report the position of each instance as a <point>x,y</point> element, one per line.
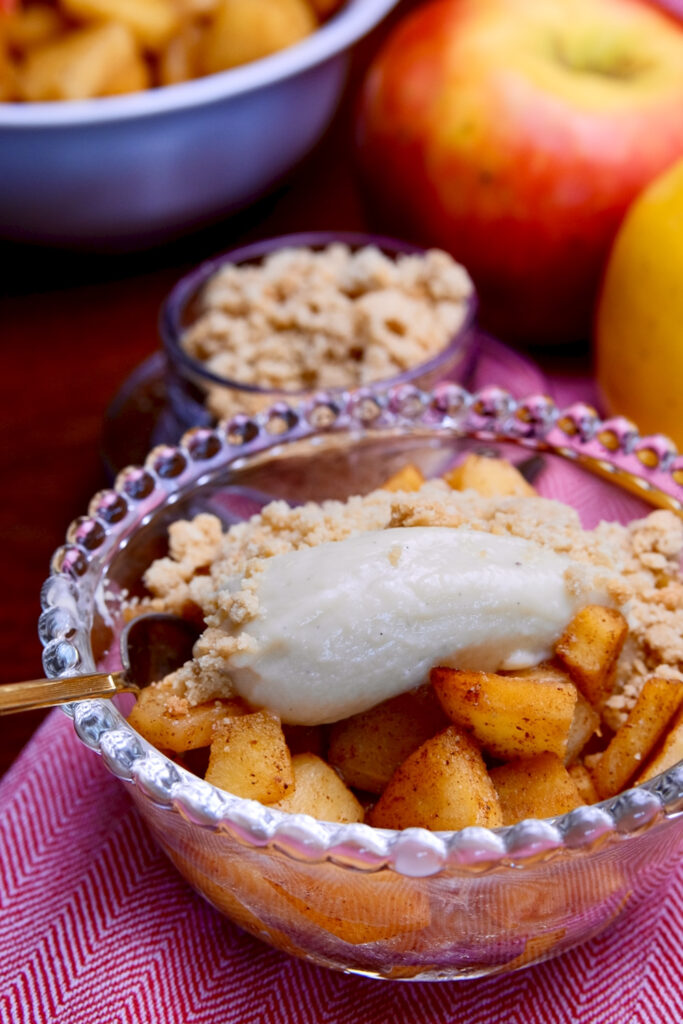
<point>649,466</point>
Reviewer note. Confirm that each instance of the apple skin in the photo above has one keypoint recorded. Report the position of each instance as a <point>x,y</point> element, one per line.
<point>638,344</point>
<point>673,7</point>
<point>475,136</point>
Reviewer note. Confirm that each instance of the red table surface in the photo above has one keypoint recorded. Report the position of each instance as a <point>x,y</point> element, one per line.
<point>72,328</point>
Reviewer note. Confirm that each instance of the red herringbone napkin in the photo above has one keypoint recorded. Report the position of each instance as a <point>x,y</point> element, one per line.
<point>83,938</point>
<point>96,927</point>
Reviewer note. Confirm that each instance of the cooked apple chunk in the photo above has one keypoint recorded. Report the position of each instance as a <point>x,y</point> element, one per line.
<point>636,739</point>
<point>589,648</point>
<point>171,723</point>
<point>151,22</point>
<point>583,780</point>
<point>368,748</point>
<point>511,716</point>
<point>320,792</point>
<point>585,723</point>
<point>408,478</point>
<point>490,477</point>
<point>534,787</point>
<point>669,752</point>
<point>441,785</point>
<point>249,757</point>
<point>79,65</point>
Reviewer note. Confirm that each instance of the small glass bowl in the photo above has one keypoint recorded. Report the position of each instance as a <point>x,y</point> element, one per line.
<point>189,380</point>
<point>409,904</point>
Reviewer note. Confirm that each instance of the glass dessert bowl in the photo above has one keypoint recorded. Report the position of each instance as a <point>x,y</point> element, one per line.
<point>410,904</point>
<point>306,310</point>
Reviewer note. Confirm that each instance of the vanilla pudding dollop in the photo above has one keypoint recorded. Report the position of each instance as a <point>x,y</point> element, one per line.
<point>344,625</point>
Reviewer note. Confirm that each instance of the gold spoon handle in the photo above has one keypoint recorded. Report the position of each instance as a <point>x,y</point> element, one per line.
<point>43,693</point>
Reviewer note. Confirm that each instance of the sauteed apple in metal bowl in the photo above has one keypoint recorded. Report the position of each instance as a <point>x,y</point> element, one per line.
<point>432,723</point>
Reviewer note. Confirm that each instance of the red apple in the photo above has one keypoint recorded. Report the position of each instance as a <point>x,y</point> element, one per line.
<point>515,133</point>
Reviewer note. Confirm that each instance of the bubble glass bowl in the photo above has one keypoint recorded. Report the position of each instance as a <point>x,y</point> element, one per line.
<point>402,905</point>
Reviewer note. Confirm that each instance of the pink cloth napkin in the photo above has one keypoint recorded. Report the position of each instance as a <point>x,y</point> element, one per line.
<point>83,939</point>
<point>96,927</point>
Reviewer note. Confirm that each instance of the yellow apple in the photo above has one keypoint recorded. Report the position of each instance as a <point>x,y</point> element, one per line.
<point>639,321</point>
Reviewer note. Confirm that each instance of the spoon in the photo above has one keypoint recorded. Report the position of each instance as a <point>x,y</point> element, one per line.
<point>151,646</point>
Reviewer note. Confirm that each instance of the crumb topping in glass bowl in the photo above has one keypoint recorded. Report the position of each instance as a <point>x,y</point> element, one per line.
<point>332,318</point>
<point>294,315</point>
